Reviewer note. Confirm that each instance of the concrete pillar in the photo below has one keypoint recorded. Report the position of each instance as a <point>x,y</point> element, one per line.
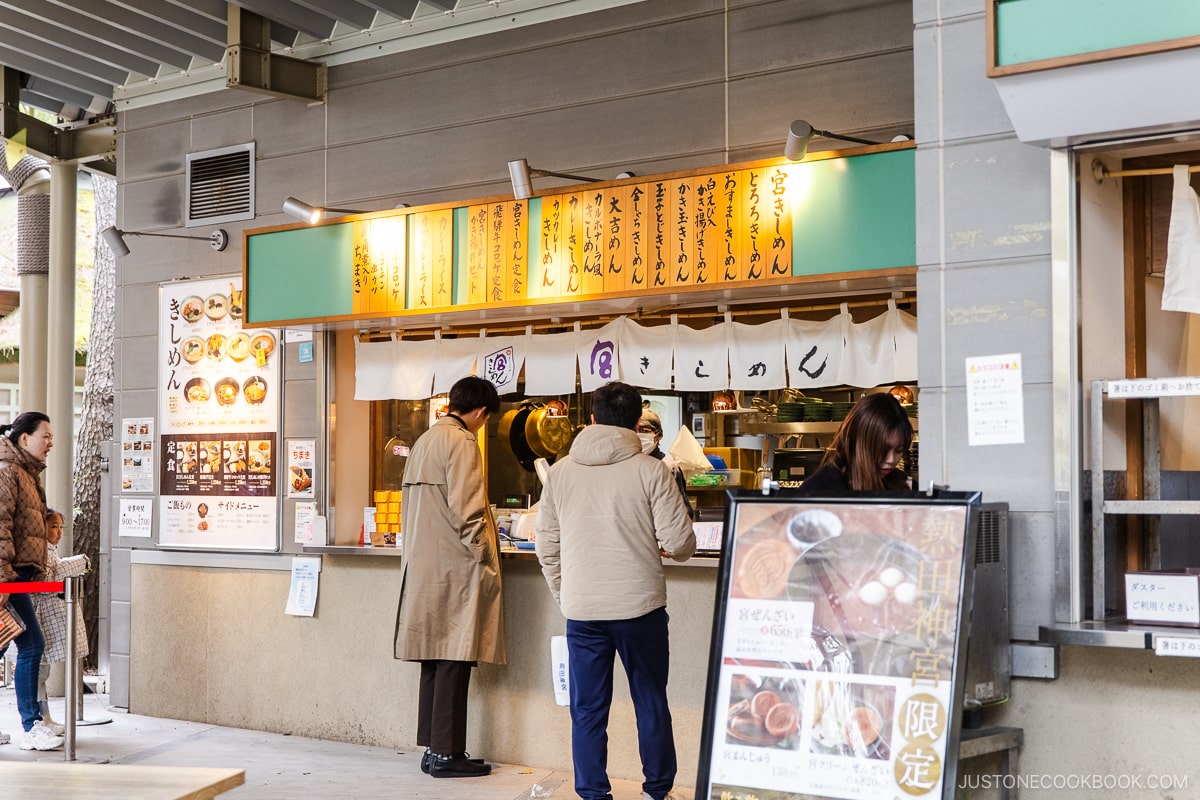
<point>31,177</point>
<point>60,361</point>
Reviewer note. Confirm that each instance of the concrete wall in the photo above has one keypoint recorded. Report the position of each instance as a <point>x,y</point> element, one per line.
<point>214,645</point>
<point>652,87</point>
<point>983,247</point>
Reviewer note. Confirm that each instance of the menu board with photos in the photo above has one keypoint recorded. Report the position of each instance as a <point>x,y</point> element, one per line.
<point>219,393</point>
<point>839,644</point>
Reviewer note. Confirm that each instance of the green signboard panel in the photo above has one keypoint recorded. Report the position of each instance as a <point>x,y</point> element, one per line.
<point>303,273</point>
<point>1036,30</point>
<point>854,214</point>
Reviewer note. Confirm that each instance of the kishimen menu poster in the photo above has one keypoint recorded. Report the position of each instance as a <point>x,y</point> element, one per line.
<point>835,663</point>
<point>218,391</point>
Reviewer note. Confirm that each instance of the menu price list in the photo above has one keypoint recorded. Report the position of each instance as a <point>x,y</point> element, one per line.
<point>229,464</point>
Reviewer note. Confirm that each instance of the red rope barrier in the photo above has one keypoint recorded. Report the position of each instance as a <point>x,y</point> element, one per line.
<point>33,587</point>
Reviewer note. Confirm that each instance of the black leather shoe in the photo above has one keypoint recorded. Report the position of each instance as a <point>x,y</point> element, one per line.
<point>427,759</point>
<point>457,766</point>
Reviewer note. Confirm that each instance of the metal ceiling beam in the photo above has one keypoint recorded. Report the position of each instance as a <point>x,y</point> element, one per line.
<point>250,64</point>
<point>303,19</point>
<point>102,11</point>
<point>65,94</point>
<point>350,12</point>
<point>96,142</point>
<point>445,5</point>
<point>46,103</point>
<point>54,72</point>
<point>185,19</point>
<point>102,31</point>
<point>64,57</point>
<point>63,37</point>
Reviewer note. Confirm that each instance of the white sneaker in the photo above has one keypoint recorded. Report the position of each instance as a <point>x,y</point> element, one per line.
<point>4,738</point>
<point>39,737</point>
<point>55,728</point>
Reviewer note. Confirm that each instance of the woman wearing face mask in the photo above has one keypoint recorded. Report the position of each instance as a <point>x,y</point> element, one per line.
<point>650,431</point>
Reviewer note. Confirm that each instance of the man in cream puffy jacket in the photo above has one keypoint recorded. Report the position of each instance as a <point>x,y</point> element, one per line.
<point>607,514</point>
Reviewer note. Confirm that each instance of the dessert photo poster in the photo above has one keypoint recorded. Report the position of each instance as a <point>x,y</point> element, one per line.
<point>837,647</point>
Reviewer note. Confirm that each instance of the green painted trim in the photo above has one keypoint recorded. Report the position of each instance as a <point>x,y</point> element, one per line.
<point>534,237</point>
<point>1036,30</point>
<point>855,214</point>
<point>461,233</point>
<point>301,273</point>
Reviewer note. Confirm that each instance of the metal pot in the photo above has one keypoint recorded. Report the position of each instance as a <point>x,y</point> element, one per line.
<point>547,433</point>
<point>512,436</point>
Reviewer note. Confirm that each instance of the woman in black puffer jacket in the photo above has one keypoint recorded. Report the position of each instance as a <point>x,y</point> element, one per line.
<point>24,446</point>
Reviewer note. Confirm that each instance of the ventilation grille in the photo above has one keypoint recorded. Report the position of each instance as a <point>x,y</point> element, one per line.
<point>220,185</point>
<point>987,543</point>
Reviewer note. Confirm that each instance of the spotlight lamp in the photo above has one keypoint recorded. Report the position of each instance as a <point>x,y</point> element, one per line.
<point>522,176</point>
<point>800,133</point>
<point>114,237</point>
<point>313,214</point>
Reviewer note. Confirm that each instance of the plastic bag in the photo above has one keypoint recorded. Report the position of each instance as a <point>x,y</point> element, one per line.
<point>688,454</point>
<point>560,670</point>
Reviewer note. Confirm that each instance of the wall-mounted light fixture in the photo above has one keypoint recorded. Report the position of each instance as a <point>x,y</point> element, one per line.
<point>522,176</point>
<point>115,238</point>
<point>800,133</point>
<point>313,214</point>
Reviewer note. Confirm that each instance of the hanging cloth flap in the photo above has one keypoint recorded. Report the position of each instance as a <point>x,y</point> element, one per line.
<point>646,355</point>
<point>373,370</point>
<point>413,367</point>
<point>701,359</point>
<point>870,357</point>
<point>455,361</point>
<point>550,363</point>
<point>814,352</point>
<point>904,332</point>
<point>756,356</point>
<point>1181,287</point>
<point>501,359</point>
<point>599,360</point>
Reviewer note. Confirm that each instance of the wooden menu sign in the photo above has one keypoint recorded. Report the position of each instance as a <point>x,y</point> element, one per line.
<point>839,648</point>
<point>719,229</point>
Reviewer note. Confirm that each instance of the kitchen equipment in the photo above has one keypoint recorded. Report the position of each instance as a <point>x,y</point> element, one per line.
<point>547,433</point>
<point>523,523</point>
<point>791,466</point>
<point>512,436</point>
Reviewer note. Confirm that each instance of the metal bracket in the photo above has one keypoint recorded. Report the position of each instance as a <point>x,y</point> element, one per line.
<point>250,64</point>
<point>94,144</point>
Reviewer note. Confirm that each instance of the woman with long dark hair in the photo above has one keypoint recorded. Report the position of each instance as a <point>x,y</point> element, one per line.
<point>866,450</point>
<point>24,445</point>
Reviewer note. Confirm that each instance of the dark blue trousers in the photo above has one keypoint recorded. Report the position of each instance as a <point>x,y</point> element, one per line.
<point>643,647</point>
<point>30,645</point>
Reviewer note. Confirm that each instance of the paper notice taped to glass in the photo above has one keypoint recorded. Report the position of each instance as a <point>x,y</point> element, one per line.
<point>302,598</point>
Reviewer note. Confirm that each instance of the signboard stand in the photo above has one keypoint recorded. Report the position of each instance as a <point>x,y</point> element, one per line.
<point>839,647</point>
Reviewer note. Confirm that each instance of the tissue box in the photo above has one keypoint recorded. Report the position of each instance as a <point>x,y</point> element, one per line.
<point>1165,597</point>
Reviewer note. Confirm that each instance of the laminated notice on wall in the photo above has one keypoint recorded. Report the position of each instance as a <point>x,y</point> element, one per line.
<point>302,597</point>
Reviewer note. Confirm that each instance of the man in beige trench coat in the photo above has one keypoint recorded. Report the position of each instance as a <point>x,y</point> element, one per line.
<point>450,615</point>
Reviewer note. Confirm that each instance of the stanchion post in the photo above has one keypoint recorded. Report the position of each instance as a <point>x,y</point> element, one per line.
<point>71,679</point>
